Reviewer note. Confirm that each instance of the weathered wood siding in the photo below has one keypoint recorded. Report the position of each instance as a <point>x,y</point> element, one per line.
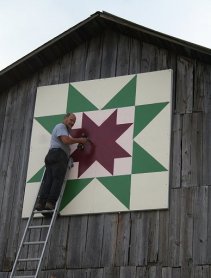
<point>173,243</point>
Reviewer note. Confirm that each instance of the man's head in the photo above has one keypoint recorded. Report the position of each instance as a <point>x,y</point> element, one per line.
<point>69,120</point>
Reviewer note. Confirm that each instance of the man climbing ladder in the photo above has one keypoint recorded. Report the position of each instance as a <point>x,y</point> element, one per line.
<point>57,163</point>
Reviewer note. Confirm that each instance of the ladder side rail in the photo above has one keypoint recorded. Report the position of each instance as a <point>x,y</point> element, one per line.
<point>24,234</point>
<point>55,213</point>
<point>46,241</point>
<point>20,247</point>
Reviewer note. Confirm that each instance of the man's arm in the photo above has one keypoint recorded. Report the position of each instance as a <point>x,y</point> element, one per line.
<point>69,140</point>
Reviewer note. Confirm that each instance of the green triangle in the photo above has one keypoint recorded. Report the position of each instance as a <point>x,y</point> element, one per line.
<point>49,122</point>
<point>72,189</point>
<point>119,186</point>
<point>143,162</point>
<point>77,102</point>
<point>38,176</point>
<point>125,97</point>
<point>144,114</point>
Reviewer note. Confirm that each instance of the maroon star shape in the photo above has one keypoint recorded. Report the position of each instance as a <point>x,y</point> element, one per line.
<point>102,146</point>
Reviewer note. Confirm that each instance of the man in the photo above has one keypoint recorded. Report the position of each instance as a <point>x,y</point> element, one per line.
<point>56,162</point>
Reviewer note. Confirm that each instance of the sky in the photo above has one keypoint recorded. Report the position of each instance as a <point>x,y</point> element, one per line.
<point>27,24</point>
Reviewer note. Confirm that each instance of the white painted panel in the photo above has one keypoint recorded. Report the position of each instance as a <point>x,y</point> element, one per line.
<point>149,191</point>
<point>154,87</point>
<point>47,100</point>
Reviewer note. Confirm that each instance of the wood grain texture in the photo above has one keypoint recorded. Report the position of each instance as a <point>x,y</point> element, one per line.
<point>166,272</point>
<point>14,169</point>
<point>93,61</point>
<point>199,86</point>
<point>123,237</point>
<point>186,226</point>
<point>153,236</point>
<point>3,105</point>
<point>93,247</point>
<point>176,150</point>
<point>197,150</point>
<point>128,272</point>
<point>76,273</point>
<point>111,272</point>
<point>78,63</point>
<point>184,85</point>
<point>208,255</point>
<point>138,239</point>
<point>123,56</point>
<point>187,271</point>
<point>95,273</point>
<point>192,130</point>
<point>206,148</point>
<point>76,241</point>
<point>155,272</point>
<point>19,175</point>
<point>109,54</point>
<point>141,272</point>
<point>200,225</point>
<point>148,57</point>
<point>60,273</point>
<point>65,67</point>
<point>135,56</point>
<point>176,272</point>
<point>58,245</point>
<point>4,274</point>
<point>109,239</point>
<point>201,272</point>
<point>6,139</point>
<point>174,227</point>
<point>207,128</point>
<point>163,242</point>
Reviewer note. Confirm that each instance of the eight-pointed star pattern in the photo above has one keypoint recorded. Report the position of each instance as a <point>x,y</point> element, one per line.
<point>104,147</point>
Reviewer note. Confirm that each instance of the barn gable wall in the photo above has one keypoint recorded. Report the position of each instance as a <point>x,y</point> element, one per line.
<point>168,243</point>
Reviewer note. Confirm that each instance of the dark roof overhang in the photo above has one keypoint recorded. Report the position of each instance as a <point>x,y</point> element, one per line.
<point>86,29</point>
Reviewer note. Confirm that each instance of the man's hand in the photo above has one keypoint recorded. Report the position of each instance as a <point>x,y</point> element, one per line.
<point>83,140</point>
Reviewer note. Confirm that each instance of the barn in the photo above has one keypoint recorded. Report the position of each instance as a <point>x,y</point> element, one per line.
<point>164,243</point>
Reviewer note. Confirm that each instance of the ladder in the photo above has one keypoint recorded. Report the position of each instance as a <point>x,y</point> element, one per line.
<point>51,215</point>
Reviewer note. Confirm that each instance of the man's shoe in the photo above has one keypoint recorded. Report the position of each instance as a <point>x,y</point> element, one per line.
<point>40,205</point>
<point>49,206</point>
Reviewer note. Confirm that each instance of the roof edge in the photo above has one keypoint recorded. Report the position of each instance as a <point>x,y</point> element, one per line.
<point>84,30</point>
<point>50,42</point>
<point>155,33</point>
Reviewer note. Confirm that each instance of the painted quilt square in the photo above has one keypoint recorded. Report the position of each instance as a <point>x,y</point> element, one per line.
<point>126,165</point>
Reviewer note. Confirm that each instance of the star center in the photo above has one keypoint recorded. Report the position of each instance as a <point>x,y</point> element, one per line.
<point>103,147</point>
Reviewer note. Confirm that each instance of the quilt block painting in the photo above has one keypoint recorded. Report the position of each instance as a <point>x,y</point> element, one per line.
<point>125,166</point>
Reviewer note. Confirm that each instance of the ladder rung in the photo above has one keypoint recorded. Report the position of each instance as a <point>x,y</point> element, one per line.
<point>43,211</point>
<point>25,276</point>
<point>33,242</point>
<point>39,227</point>
<point>28,259</point>
<point>51,215</point>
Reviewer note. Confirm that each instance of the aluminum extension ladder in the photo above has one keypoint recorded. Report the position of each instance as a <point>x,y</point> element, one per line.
<point>51,215</point>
